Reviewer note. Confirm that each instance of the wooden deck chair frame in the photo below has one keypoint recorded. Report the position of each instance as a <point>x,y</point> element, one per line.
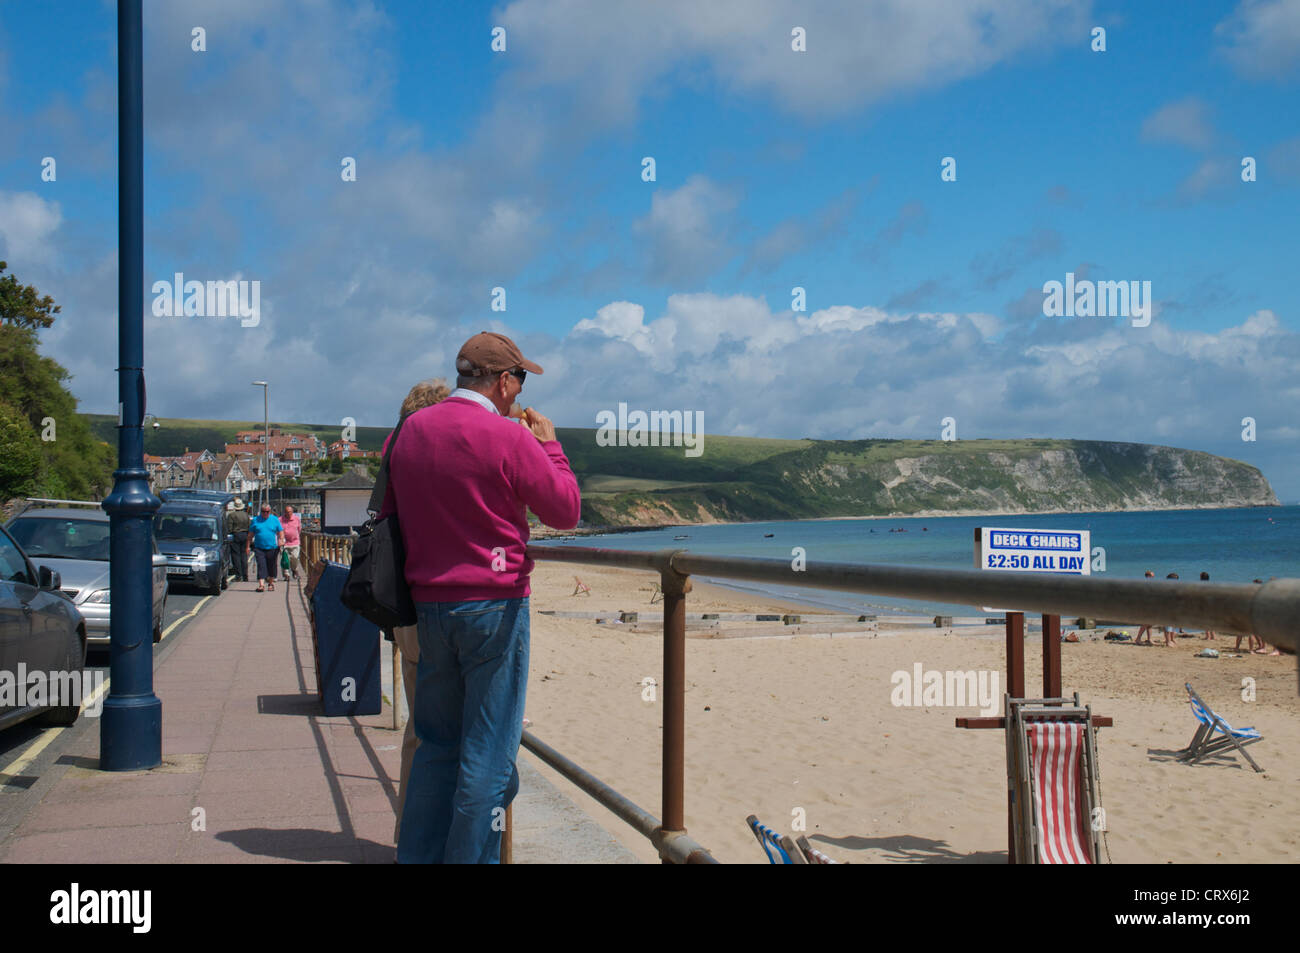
<point>580,587</point>
<point>1020,713</point>
<point>778,848</point>
<point>811,853</point>
<point>1204,743</point>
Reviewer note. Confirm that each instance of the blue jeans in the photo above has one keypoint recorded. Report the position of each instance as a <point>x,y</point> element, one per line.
<point>468,713</point>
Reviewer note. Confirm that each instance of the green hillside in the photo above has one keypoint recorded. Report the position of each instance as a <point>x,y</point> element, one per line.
<point>742,478</point>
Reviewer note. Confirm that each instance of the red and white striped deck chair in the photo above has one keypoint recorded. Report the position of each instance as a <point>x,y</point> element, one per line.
<point>1052,759</point>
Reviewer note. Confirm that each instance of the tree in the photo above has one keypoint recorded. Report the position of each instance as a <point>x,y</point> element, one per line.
<point>22,305</point>
<point>20,454</point>
<point>70,461</point>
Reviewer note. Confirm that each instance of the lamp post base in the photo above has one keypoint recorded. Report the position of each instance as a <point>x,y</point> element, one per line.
<point>130,733</point>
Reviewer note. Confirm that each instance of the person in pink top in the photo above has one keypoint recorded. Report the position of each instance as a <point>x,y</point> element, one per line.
<point>462,476</point>
<point>292,524</point>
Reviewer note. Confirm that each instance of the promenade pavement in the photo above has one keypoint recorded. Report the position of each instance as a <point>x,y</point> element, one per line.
<point>252,772</point>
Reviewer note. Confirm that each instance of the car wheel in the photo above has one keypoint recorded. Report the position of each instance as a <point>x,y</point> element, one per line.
<point>65,715</point>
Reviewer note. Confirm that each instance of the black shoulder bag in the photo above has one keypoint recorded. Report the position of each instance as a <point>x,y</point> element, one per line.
<point>376,586</point>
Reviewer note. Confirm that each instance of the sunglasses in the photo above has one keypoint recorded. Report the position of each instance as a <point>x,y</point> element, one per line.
<point>519,374</point>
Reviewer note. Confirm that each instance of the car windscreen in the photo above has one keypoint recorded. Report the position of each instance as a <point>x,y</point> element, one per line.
<point>182,526</point>
<point>61,538</point>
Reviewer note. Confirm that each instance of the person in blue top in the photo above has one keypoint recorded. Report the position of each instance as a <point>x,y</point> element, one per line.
<point>265,537</point>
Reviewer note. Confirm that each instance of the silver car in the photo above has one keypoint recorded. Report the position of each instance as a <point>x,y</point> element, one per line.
<point>74,543</point>
<point>40,631</point>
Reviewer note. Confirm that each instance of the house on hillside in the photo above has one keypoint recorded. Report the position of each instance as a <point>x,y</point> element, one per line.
<point>286,452</point>
<point>170,472</point>
<point>348,450</point>
<point>224,474</point>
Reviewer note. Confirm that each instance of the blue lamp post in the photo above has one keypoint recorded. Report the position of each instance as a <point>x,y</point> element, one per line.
<point>130,731</point>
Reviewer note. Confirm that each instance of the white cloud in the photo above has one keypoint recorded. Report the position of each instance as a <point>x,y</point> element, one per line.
<point>27,226</point>
<point>1185,122</point>
<point>616,50</point>
<point>687,231</point>
<point>1261,38</point>
<point>1210,175</point>
<point>858,372</point>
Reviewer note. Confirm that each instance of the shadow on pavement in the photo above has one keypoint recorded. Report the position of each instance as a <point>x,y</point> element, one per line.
<point>295,704</point>
<point>305,845</point>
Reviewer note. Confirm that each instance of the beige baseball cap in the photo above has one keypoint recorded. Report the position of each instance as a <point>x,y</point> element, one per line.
<point>490,353</point>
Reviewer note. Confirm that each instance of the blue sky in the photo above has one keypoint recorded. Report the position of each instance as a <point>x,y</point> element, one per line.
<point>774,169</point>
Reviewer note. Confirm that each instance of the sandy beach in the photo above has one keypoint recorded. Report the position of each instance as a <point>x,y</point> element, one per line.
<point>785,726</point>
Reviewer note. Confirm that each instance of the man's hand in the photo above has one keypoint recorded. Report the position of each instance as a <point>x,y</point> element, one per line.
<point>541,427</point>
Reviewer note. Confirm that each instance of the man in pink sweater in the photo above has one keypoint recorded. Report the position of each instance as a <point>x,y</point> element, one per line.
<point>461,477</point>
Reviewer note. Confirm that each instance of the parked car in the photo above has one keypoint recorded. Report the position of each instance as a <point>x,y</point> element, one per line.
<point>192,535</point>
<point>74,542</point>
<point>184,494</point>
<point>39,629</point>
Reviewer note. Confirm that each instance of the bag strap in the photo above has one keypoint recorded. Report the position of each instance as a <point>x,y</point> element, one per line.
<point>377,495</point>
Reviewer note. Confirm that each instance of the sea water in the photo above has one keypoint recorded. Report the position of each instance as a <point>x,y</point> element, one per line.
<point>1232,545</point>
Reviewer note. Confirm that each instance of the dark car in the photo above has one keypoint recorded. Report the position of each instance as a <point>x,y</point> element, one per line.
<point>41,631</point>
<point>184,494</point>
<point>74,541</point>
<point>192,535</point>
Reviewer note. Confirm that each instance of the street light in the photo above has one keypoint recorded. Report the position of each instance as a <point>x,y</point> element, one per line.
<point>130,726</point>
<point>266,445</point>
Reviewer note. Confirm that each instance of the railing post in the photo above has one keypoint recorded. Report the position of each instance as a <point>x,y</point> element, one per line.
<point>1015,655</point>
<point>508,838</point>
<point>675,585</point>
<point>1016,689</point>
<point>1051,656</point>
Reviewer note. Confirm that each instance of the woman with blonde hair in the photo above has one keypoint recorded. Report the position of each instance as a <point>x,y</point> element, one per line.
<point>424,394</point>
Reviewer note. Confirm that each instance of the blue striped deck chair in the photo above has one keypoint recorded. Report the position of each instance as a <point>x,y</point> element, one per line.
<point>771,842</point>
<point>1204,743</point>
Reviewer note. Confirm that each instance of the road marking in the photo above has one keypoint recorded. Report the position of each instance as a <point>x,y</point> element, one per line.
<point>28,756</point>
<point>94,696</point>
<point>40,744</point>
<point>190,615</point>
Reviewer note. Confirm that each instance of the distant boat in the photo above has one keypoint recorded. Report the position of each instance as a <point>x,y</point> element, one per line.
<point>681,537</point>
<point>768,535</point>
